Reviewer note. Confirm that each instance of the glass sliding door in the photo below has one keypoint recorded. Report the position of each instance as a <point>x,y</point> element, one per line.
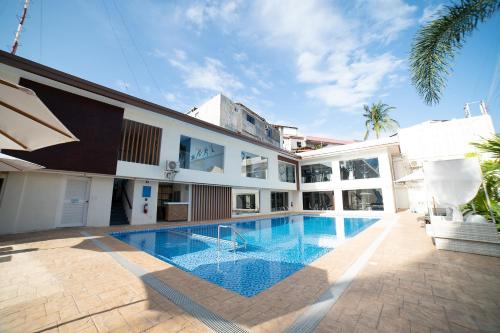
<point>316,173</point>
<point>359,169</point>
<point>279,201</point>
<point>318,200</point>
<point>365,199</point>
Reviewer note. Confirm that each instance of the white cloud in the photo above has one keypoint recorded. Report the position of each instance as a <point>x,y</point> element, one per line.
<point>429,13</point>
<point>388,18</point>
<point>240,56</point>
<point>210,75</point>
<point>332,49</point>
<point>170,96</point>
<point>200,14</point>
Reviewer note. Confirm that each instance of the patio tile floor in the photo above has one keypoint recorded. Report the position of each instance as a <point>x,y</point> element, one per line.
<point>59,281</point>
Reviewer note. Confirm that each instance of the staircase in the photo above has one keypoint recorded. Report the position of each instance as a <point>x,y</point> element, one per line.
<point>118,216</point>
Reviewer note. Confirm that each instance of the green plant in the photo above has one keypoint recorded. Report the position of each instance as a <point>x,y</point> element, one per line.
<point>491,180</point>
<point>491,146</point>
<point>435,44</point>
<point>378,118</point>
<point>491,176</point>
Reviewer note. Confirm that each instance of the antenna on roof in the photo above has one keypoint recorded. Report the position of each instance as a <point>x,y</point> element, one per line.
<point>15,44</point>
<point>482,108</point>
<point>467,113</point>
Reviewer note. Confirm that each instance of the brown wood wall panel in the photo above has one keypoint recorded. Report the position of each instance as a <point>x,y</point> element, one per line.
<point>140,143</point>
<point>210,202</point>
<point>97,125</point>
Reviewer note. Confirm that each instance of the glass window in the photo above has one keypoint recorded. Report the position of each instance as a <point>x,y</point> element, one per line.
<point>253,166</point>
<point>359,169</point>
<point>201,155</point>
<point>315,173</point>
<point>245,201</point>
<point>287,172</point>
<point>369,199</point>
<point>250,119</point>
<point>318,200</point>
<point>279,201</point>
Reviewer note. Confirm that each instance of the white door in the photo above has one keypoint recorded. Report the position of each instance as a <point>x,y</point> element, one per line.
<point>76,202</point>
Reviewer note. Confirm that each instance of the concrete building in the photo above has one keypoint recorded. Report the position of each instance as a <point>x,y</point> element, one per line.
<point>221,111</point>
<point>141,163</point>
<point>295,142</point>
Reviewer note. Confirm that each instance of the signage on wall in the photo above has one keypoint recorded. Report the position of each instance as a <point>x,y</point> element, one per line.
<point>146,191</point>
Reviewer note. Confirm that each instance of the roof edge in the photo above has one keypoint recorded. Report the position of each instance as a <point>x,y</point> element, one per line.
<point>77,82</point>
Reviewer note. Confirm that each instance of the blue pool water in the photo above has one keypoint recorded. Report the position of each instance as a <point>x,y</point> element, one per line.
<point>276,248</point>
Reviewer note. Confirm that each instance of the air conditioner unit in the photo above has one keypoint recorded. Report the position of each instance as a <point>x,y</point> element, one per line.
<point>172,165</point>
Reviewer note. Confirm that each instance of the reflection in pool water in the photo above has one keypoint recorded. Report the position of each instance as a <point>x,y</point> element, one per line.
<point>276,248</point>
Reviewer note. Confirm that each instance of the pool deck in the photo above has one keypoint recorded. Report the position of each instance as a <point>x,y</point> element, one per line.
<point>60,281</point>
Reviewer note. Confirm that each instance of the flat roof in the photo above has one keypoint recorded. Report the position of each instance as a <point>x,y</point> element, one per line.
<point>328,140</point>
<point>357,146</point>
<point>77,82</point>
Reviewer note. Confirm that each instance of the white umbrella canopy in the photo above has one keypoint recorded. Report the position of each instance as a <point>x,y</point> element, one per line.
<point>11,163</point>
<point>25,122</point>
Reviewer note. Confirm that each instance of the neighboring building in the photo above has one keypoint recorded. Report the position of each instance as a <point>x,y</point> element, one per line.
<point>295,142</point>
<point>221,111</point>
<point>139,163</point>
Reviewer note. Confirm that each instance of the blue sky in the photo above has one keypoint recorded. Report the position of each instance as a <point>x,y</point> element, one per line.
<point>312,64</point>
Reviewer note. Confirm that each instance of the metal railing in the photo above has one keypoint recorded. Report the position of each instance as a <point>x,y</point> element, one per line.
<point>234,235</point>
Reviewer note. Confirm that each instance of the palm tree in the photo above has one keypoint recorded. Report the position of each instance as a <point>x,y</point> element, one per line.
<point>435,45</point>
<point>491,146</point>
<point>378,119</point>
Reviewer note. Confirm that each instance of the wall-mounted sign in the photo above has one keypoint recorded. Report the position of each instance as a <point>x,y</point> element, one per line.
<point>146,191</point>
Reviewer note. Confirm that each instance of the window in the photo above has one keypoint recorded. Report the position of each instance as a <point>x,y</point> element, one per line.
<point>286,172</point>
<point>279,201</point>
<point>201,155</point>
<point>253,166</point>
<point>250,119</point>
<point>140,143</point>
<point>369,199</point>
<point>359,169</point>
<point>299,144</point>
<point>318,200</point>
<point>315,173</point>
<point>245,201</point>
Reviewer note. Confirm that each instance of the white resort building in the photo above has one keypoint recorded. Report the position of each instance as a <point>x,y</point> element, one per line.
<point>141,163</point>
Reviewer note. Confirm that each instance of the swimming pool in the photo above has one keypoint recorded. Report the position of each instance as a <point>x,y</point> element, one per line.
<point>268,251</point>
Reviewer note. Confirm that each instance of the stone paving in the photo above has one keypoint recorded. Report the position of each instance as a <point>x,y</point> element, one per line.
<point>59,281</point>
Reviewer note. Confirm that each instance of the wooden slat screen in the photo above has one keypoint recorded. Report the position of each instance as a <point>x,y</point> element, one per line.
<point>140,143</point>
<point>210,202</point>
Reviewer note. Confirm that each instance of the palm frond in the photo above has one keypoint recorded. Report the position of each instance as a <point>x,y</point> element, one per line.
<point>435,45</point>
<point>490,146</point>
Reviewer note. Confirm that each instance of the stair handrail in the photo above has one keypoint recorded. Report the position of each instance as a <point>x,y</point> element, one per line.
<point>126,197</point>
<point>233,239</point>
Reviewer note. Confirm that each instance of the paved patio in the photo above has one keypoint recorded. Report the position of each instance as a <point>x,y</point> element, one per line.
<point>61,281</point>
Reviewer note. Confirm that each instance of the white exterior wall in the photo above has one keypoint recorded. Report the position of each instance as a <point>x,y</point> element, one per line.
<point>101,192</point>
<point>444,140</point>
<point>34,201</point>
<point>209,111</point>
<point>172,131</point>
<point>137,215</point>
<point>384,182</point>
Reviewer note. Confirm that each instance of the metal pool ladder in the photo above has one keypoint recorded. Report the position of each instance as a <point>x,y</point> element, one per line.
<point>234,235</point>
